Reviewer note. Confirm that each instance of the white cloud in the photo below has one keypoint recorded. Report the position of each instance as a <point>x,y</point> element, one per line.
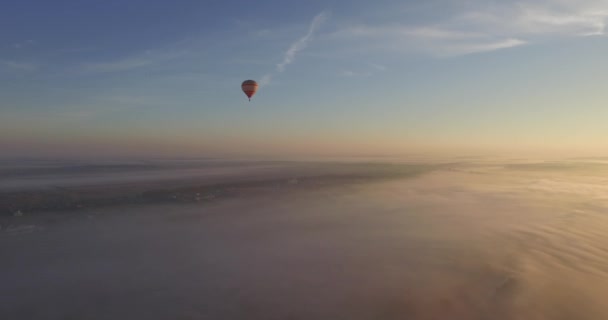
<point>399,30</point>
<point>499,25</point>
<point>297,46</point>
<point>432,40</point>
<point>302,43</point>
<point>366,71</point>
<point>467,48</point>
<point>541,18</point>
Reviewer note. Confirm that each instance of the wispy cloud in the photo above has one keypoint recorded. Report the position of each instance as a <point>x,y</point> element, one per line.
<point>542,18</point>
<point>350,73</point>
<point>439,41</point>
<point>114,66</point>
<point>265,80</point>
<point>466,48</point>
<point>19,66</point>
<point>298,46</point>
<point>378,67</point>
<point>301,43</point>
<point>499,25</point>
<point>148,58</point>
<point>399,30</point>
<point>23,44</point>
<point>364,71</point>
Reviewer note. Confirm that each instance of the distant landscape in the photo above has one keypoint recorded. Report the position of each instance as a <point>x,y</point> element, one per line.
<point>476,238</point>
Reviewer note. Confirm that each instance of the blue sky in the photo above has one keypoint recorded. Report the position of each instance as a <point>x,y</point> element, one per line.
<point>338,77</point>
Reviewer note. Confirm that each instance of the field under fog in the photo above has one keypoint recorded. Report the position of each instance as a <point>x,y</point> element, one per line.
<point>210,239</point>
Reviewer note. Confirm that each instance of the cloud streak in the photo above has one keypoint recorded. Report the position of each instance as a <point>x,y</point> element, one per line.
<point>438,41</point>
<point>148,58</point>
<point>116,66</point>
<point>19,66</point>
<point>302,43</point>
<point>23,44</point>
<point>468,48</point>
<point>542,18</point>
<point>469,29</point>
<point>297,46</point>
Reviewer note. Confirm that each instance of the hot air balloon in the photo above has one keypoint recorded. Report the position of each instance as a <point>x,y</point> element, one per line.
<point>249,87</point>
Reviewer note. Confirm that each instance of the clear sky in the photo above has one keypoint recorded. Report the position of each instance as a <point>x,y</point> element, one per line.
<point>356,77</point>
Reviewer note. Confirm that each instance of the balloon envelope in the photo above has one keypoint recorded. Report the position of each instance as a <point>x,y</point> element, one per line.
<point>249,87</point>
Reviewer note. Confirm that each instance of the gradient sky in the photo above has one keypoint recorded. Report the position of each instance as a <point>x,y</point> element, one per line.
<point>151,77</point>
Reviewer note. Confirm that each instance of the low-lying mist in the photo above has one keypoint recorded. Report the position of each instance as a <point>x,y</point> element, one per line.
<point>454,240</point>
